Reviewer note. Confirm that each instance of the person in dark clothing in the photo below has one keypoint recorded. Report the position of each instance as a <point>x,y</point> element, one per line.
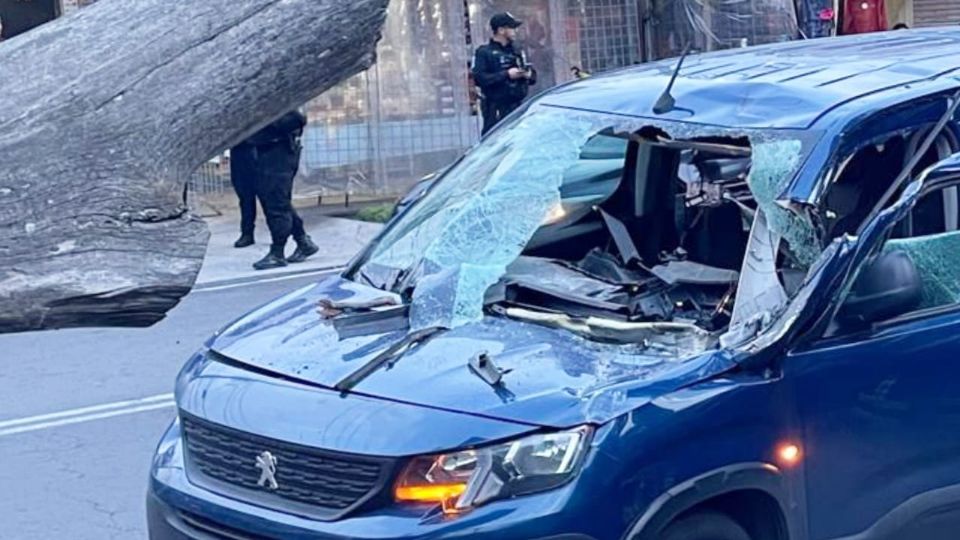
<point>268,162</point>
<point>244,179</point>
<point>501,71</point>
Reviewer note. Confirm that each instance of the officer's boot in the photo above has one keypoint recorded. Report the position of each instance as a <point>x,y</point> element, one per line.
<point>274,259</point>
<point>305,248</point>
<point>244,241</point>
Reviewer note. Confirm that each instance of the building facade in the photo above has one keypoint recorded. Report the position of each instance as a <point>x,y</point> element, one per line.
<point>415,110</point>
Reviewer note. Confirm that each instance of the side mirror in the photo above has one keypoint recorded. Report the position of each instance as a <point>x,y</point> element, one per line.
<point>889,286</point>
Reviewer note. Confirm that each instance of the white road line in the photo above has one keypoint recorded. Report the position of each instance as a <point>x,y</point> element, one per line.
<point>202,289</point>
<point>85,414</point>
<point>120,408</point>
<point>87,418</point>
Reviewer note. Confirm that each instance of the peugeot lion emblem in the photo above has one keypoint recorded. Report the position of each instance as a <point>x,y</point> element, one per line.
<point>267,463</point>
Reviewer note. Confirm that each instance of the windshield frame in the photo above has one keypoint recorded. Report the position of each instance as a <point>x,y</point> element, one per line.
<point>677,129</point>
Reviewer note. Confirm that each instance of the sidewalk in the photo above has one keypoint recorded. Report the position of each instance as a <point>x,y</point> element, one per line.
<point>339,239</point>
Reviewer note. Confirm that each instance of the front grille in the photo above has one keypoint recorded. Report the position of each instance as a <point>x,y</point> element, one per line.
<point>311,482</point>
<point>215,530</point>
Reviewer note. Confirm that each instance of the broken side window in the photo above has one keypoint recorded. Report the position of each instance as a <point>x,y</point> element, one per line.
<point>932,241</point>
<point>865,176</point>
<point>874,152</point>
<point>862,180</point>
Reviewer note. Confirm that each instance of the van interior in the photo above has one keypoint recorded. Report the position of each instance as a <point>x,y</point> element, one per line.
<point>651,230</point>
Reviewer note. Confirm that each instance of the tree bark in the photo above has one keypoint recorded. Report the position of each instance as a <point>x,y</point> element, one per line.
<point>103,116</point>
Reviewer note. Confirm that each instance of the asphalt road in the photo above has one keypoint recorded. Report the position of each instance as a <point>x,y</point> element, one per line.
<point>81,412</point>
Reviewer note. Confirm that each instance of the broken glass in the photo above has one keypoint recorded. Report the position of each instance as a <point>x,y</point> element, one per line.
<point>774,165</point>
<point>447,296</point>
<point>462,236</point>
<point>937,258</point>
<point>478,222</point>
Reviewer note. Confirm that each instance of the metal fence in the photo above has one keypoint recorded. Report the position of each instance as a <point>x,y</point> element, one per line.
<point>709,25</point>
<point>405,117</point>
<point>415,110</point>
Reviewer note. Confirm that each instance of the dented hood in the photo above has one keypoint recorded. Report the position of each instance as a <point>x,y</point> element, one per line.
<point>556,378</point>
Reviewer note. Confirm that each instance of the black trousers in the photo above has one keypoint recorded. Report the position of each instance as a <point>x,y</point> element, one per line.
<point>245,185</point>
<point>268,173</point>
<point>494,111</point>
<point>275,191</point>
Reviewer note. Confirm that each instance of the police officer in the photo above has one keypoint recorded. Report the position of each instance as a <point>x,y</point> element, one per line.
<point>243,176</point>
<point>267,162</point>
<point>501,71</point>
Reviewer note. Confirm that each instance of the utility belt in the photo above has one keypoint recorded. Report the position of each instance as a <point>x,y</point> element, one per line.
<point>262,147</point>
<point>510,95</point>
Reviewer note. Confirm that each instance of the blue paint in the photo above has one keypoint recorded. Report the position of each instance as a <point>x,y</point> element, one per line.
<point>876,413</point>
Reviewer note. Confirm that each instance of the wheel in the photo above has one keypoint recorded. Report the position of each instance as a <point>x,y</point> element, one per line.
<point>705,526</point>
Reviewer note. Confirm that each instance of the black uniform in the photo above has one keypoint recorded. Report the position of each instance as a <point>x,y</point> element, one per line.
<point>501,95</point>
<point>263,167</point>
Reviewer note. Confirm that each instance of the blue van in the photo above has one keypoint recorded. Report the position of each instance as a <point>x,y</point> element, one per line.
<point>722,308</point>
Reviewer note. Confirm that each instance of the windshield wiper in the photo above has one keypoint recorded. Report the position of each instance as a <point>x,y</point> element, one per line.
<point>386,358</point>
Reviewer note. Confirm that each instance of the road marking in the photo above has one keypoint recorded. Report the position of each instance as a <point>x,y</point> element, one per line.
<point>121,408</point>
<point>322,271</point>
<point>85,414</point>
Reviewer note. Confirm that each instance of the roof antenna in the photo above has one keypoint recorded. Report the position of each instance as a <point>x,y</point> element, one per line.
<point>666,103</point>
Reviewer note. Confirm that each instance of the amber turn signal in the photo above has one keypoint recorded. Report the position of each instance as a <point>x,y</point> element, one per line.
<point>429,494</point>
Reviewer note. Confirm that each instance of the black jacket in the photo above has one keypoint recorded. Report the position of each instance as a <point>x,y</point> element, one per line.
<point>288,127</point>
<point>490,66</point>
<point>274,149</point>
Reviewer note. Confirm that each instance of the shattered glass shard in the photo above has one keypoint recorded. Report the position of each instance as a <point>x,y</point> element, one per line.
<point>465,232</point>
<point>451,296</point>
<point>477,229</point>
<point>937,258</point>
<point>774,165</point>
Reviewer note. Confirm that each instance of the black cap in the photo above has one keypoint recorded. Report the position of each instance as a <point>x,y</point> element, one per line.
<point>501,20</point>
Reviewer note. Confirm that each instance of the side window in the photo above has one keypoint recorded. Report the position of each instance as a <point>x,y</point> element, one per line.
<point>934,214</point>
<point>910,273</point>
<point>929,236</point>
<point>865,176</point>
<point>862,180</point>
<point>937,212</point>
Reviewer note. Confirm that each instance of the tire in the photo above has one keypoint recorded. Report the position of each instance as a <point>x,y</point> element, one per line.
<point>705,526</point>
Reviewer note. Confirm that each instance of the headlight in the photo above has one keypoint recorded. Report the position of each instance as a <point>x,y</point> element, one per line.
<point>473,477</point>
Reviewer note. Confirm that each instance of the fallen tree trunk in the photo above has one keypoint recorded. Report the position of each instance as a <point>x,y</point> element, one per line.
<point>104,115</point>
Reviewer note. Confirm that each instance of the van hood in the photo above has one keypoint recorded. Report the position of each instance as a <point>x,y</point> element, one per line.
<point>552,377</point>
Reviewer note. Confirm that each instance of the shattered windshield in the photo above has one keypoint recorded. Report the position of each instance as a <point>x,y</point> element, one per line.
<point>617,228</point>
